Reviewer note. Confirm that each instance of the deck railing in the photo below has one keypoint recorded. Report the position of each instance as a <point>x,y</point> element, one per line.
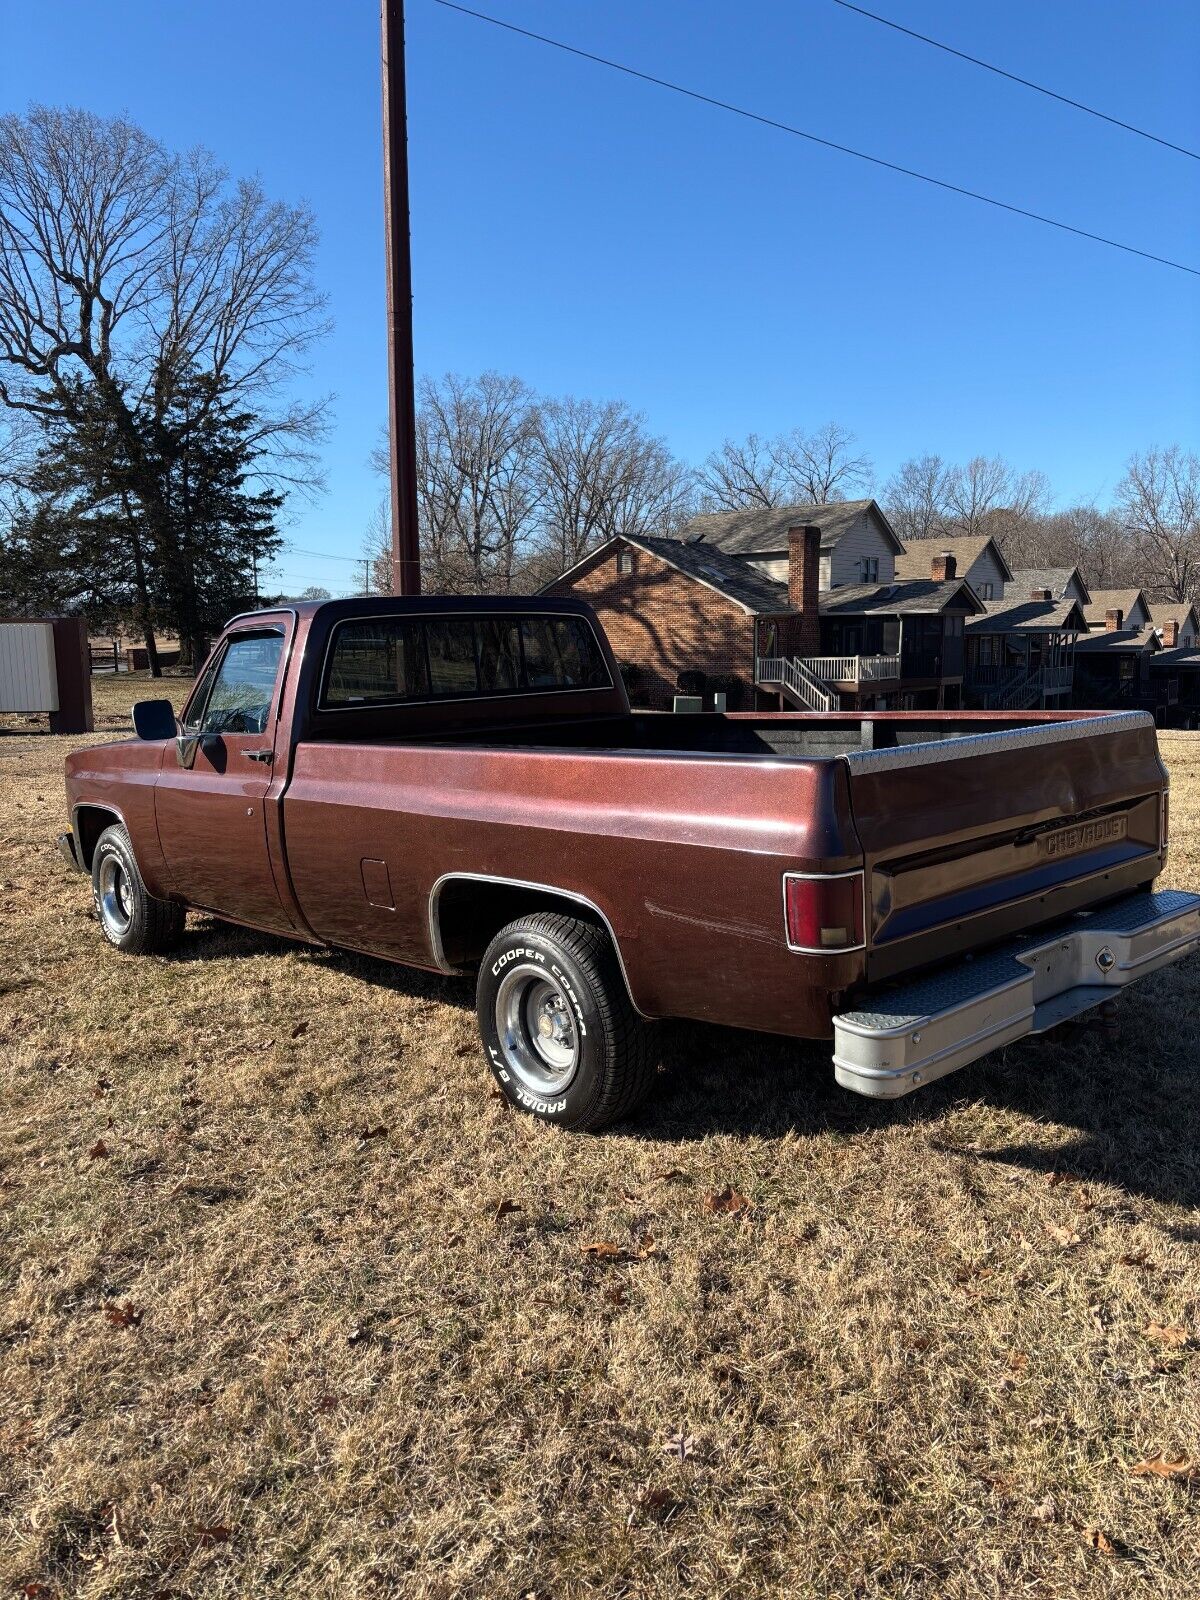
<point>853,669</point>
<point>796,679</point>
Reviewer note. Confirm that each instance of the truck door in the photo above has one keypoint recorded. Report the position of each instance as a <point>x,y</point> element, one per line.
<point>212,814</point>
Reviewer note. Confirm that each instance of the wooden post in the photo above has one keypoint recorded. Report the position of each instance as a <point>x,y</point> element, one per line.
<point>73,668</point>
<point>406,552</point>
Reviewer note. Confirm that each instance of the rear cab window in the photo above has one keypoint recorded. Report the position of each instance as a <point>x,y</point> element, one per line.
<point>390,660</point>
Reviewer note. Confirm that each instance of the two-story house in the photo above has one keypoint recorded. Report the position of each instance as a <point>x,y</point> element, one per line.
<point>799,606</point>
<point>1064,583</point>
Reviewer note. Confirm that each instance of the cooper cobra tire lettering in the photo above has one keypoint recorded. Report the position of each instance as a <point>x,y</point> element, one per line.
<point>612,1068</point>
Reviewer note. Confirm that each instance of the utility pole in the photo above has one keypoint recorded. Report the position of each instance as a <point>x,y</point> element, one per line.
<point>406,557</point>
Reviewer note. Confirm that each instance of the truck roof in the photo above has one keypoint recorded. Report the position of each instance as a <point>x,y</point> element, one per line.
<point>385,605</point>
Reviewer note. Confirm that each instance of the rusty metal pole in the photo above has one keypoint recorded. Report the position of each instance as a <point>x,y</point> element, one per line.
<point>406,553</point>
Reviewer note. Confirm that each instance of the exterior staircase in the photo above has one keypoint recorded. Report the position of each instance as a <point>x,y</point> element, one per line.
<point>800,685</point>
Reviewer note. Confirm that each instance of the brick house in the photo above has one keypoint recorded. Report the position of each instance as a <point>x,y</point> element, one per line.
<point>761,626</point>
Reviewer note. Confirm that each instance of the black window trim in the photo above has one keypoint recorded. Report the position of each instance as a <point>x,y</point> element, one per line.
<point>517,617</point>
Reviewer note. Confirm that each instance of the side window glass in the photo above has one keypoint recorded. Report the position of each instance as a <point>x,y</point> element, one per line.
<point>537,648</point>
<point>244,687</point>
<point>499,656</point>
<point>451,645</point>
<point>381,659</point>
<point>581,665</point>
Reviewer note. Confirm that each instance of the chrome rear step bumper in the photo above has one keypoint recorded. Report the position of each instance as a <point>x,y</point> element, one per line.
<point>916,1032</point>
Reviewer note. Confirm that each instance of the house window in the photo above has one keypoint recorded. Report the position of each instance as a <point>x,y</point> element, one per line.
<point>985,591</point>
<point>624,560</point>
<point>870,569</point>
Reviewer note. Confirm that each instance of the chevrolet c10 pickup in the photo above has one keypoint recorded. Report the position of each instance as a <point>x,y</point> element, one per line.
<point>460,785</point>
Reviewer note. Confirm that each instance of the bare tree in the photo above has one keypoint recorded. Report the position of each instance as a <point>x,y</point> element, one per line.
<point>916,498</point>
<point>823,467</point>
<point>795,468</point>
<point>988,496</point>
<point>602,474</point>
<point>126,273</point>
<point>739,476</point>
<point>377,542</point>
<point>477,442</point>
<point>1159,497</point>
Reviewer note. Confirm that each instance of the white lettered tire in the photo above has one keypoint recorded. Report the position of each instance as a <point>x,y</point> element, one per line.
<point>561,1035</point>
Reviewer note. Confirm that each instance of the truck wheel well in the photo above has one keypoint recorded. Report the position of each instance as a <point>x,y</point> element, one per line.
<point>467,913</point>
<point>90,823</point>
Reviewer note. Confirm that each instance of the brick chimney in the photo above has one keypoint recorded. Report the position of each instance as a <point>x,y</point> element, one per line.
<point>1114,620</point>
<point>1170,633</point>
<point>804,582</point>
<point>945,567</point>
<point>1040,594</point>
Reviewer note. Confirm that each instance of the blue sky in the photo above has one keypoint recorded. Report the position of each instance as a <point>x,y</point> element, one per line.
<point>601,237</point>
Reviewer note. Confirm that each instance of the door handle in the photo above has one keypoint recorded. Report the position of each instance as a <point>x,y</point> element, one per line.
<point>259,755</point>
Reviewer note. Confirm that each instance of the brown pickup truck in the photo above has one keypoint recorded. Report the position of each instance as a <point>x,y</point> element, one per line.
<point>460,784</point>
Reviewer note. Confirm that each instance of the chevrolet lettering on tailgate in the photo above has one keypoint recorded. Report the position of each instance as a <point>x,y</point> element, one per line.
<point>1084,836</point>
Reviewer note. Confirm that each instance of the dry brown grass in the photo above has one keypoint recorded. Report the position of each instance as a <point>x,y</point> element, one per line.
<point>276,1339</point>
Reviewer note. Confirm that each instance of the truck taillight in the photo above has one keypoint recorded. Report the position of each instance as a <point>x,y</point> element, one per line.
<point>823,914</point>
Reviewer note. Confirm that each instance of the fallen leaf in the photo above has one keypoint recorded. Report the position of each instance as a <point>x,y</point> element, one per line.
<point>1137,1258</point>
<point>680,1444</point>
<point>366,1134</point>
<point>671,1175</point>
<point>1171,1334</point>
<point>504,1208</point>
<point>603,1250</point>
<point>357,1334</point>
<point>37,1591</point>
<point>725,1201</point>
<point>100,1088</point>
<point>1053,1179</point>
<point>1066,1238</point>
<point>98,1150</point>
<point>299,1030</point>
<point>1017,1360</point>
<point>1096,1539</point>
<point>123,1316</point>
<point>1167,1467</point>
<point>615,1294</point>
<point>658,1501</point>
<point>1046,1511</point>
<point>645,1247</point>
<point>191,1101</point>
<point>207,1537</point>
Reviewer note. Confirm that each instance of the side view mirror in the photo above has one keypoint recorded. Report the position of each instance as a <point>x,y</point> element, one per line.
<point>154,719</point>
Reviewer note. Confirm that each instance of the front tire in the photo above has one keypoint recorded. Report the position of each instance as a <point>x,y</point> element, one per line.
<point>130,917</point>
<point>561,1035</point>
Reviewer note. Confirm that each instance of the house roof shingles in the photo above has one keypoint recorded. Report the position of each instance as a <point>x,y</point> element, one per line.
<point>1026,579</point>
<point>735,579</point>
<point>966,548</point>
<point>1104,600</point>
<point>917,596</point>
<point>1029,616</point>
<point>762,596</point>
<point>761,528</point>
<point>1118,640</point>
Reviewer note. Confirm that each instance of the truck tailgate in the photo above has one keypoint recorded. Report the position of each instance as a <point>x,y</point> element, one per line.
<point>973,839</point>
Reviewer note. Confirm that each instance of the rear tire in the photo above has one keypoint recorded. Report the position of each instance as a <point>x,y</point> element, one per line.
<point>130,917</point>
<point>561,1035</point>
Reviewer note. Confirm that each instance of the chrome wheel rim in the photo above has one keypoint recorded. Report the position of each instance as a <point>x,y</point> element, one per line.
<point>114,895</point>
<point>538,1031</point>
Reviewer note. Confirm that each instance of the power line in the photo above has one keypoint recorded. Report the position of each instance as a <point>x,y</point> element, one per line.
<point>813,138</point>
<point>1026,83</point>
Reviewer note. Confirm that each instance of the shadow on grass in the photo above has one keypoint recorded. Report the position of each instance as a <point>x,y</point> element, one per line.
<point>1133,1102</point>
